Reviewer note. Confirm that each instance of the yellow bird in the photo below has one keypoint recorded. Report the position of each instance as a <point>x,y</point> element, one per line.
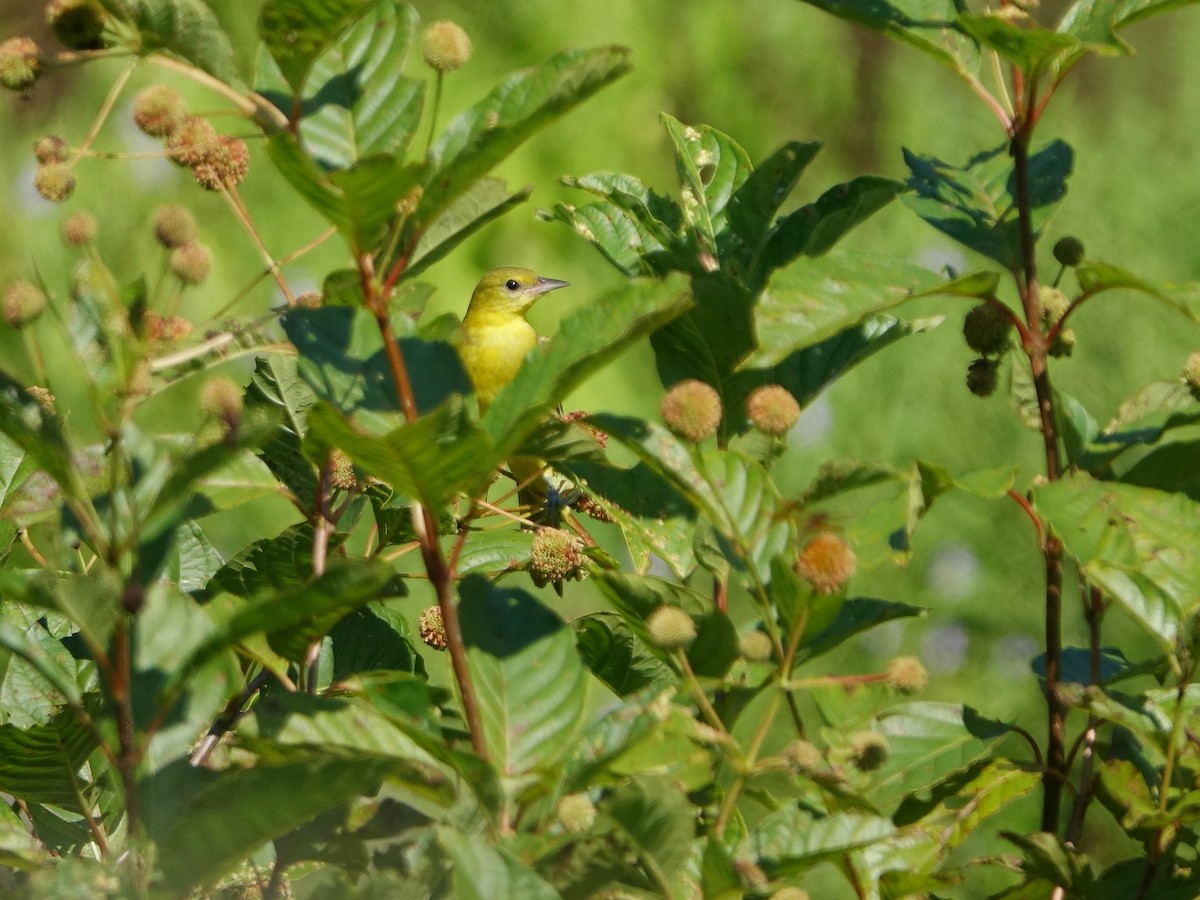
<point>496,338</point>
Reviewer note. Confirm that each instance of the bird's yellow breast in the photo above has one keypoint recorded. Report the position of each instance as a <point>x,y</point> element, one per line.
<point>492,350</point>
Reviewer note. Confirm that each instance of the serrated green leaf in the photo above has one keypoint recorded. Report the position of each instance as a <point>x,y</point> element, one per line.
<point>483,872</point>
<point>184,28</point>
<point>1096,22</point>
<point>1031,49</point>
<point>42,763</point>
<point>754,204</point>
<point>793,840</point>
<point>529,679</point>
<point>487,199</point>
<point>656,821</point>
<point>526,101</point>
<point>275,563</point>
<point>615,655</point>
<point>1141,547</point>
<point>298,32</point>
<point>856,615</point>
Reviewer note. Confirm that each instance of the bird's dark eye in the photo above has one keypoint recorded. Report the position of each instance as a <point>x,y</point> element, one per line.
<point>512,284</point>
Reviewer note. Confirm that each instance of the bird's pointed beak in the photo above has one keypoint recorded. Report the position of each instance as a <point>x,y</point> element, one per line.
<point>545,285</point>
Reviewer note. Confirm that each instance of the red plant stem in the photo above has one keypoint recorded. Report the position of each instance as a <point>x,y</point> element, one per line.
<point>127,752</point>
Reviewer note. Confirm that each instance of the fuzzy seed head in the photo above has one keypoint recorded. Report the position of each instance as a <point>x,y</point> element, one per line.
<point>907,675</point>
<point>590,506</point>
<point>159,110</point>
<point>341,471</point>
<point>445,46</point>
<point>1069,251</point>
<point>191,142</point>
<point>986,329</point>
<point>19,64</point>
<point>576,813</point>
<point>691,410</point>
<point>226,166</point>
<point>982,377</point>
<point>868,750</point>
<point>191,263</point>
<point>79,229</point>
<point>221,398</point>
<point>309,300</point>
<point>754,646</point>
<point>50,149</point>
<point>671,628</point>
<point>174,226</point>
<point>23,303</point>
<point>1063,344</point>
<point>556,556</point>
<point>433,631</point>
<point>1053,303</point>
<point>78,24</point>
<point>803,757</point>
<point>827,563</point>
<point>166,329</point>
<point>772,409</point>
<point>44,397</point>
<point>1191,374</point>
<point>54,181</point>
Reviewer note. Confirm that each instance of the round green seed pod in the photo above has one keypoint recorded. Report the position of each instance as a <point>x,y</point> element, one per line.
<point>159,110</point>
<point>982,377</point>
<point>24,302</point>
<point>20,66</point>
<point>445,46</point>
<point>986,329</point>
<point>54,181</point>
<point>671,628</point>
<point>1069,251</point>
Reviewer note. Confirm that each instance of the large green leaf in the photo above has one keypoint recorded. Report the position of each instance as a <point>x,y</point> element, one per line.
<point>1031,49</point>
<point>1141,421</point>
<point>184,28</point>
<point>1094,278</point>
<point>588,339</point>
<point>793,839</point>
<point>298,32</point>
<point>976,204</point>
<point>430,460</point>
<point>487,199</point>
<point>617,657</point>
<point>856,615</point>
<point>1096,22</point>
<point>1140,546</point>
<point>43,763</point>
<point>529,679</point>
<point>814,300</point>
<point>484,872</point>
<point>481,136</point>
<point>274,563</point>
<point>656,821</point>
<point>753,206</point>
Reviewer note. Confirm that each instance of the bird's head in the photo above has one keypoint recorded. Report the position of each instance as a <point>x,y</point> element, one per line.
<point>510,290</point>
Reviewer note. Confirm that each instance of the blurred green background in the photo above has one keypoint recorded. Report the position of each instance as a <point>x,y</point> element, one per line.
<point>764,71</point>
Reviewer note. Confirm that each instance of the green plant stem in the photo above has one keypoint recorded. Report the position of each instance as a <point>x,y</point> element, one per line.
<point>729,803</point>
<point>255,107</point>
<point>106,108</point>
<point>1093,610</point>
<point>127,748</point>
<point>706,708</point>
<point>233,198</point>
<point>437,103</point>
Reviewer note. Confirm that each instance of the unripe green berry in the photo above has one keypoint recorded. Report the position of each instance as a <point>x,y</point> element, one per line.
<point>433,630</point>
<point>221,398</point>
<point>556,556</point>
<point>1069,251</point>
<point>1063,343</point>
<point>982,377</point>
<point>691,410</point>
<point>159,110</point>
<point>174,226</point>
<point>79,229</point>
<point>754,646</point>
<point>78,24</point>
<point>23,303</point>
<point>827,563</point>
<point>191,142</point>
<point>907,675</point>
<point>772,409</point>
<point>671,628</point>
<point>225,166</point>
<point>576,813</point>
<point>54,181</point>
<point>1191,374</point>
<point>19,64</point>
<point>868,750</point>
<point>191,263</point>
<point>986,329</point>
<point>445,46</point>
<point>50,149</point>
<point>803,757</point>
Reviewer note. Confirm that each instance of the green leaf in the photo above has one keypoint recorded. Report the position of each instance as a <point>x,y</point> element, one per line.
<point>927,744</point>
<point>1096,22</point>
<point>856,615</point>
<point>92,603</point>
<point>275,563</point>
<point>430,460</point>
<point>187,29</point>
<point>656,821</point>
<point>43,763</point>
<point>478,138</point>
<point>358,101</point>
<point>484,201</point>
<point>1095,278</point>
<point>753,206</point>
<point>205,822</point>
<point>928,25</point>
<point>1142,420</point>
<point>1030,49</point>
<point>588,339</point>
<point>483,872</point>
<point>296,616</point>
<point>617,657</point>
<point>342,358</point>
<point>298,32</point>
<point>529,679</point>
<point>792,840</point>
<point>976,204</point>
<point>1141,547</point>
<point>813,300</point>
<point>39,435</point>
<point>373,638</point>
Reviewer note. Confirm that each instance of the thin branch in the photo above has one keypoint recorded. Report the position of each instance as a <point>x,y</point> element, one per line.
<point>231,195</point>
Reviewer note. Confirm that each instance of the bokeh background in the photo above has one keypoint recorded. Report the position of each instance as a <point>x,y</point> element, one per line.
<point>763,71</point>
